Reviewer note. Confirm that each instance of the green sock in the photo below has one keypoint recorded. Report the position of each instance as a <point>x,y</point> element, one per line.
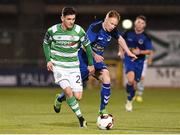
<point>72,102</point>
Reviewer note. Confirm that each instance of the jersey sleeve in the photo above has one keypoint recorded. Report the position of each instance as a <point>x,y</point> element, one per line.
<point>92,34</point>
<point>86,43</point>
<point>148,44</point>
<point>83,38</point>
<point>46,45</point>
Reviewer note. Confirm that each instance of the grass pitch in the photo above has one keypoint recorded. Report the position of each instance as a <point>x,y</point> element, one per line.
<point>30,110</point>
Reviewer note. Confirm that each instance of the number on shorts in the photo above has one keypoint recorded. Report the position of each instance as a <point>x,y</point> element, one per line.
<point>78,79</point>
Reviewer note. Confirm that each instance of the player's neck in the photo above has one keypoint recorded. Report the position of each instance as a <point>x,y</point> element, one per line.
<point>104,26</point>
<point>63,27</point>
<point>138,31</point>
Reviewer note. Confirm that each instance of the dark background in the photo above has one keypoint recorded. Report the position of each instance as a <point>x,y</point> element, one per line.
<point>23,23</point>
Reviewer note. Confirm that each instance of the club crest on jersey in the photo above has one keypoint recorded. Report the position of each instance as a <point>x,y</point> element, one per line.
<point>140,41</point>
<point>109,38</point>
<point>58,75</point>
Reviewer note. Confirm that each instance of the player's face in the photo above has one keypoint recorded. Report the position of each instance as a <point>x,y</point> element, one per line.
<point>111,23</point>
<point>68,21</point>
<point>139,25</point>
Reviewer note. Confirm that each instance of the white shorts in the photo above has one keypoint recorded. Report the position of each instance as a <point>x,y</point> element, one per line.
<point>68,77</point>
<point>144,68</point>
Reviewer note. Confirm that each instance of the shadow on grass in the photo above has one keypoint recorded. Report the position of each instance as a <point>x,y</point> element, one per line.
<point>62,124</point>
<point>149,130</point>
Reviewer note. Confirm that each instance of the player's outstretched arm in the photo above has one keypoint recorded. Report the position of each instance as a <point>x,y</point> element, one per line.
<point>123,44</point>
<point>121,52</point>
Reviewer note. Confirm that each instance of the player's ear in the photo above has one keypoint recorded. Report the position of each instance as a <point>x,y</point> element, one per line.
<point>134,22</point>
<point>62,18</point>
<point>144,24</point>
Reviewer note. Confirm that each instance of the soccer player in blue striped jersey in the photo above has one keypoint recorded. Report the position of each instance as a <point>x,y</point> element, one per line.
<point>100,34</point>
<point>140,44</point>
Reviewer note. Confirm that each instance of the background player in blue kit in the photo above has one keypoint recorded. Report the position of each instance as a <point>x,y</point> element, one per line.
<point>100,34</point>
<point>140,85</point>
<point>140,44</point>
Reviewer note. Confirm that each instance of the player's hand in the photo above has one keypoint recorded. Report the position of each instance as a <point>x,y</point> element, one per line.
<point>136,51</point>
<point>98,58</point>
<point>91,69</point>
<point>132,55</point>
<point>50,66</point>
<point>121,55</point>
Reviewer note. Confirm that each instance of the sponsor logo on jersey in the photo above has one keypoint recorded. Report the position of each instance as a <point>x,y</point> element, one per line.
<point>130,39</point>
<point>100,38</point>
<point>66,38</point>
<point>66,43</point>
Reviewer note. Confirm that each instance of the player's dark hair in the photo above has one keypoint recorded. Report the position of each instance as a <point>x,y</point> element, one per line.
<point>68,11</point>
<point>142,17</point>
<point>114,13</point>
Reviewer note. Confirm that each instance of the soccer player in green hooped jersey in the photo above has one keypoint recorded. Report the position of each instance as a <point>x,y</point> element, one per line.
<point>61,44</point>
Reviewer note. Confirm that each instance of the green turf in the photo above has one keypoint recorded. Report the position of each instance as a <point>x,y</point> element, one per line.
<point>30,110</point>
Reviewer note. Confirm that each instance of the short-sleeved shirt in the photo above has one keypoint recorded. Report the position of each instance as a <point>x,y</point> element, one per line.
<point>64,45</point>
<point>99,39</point>
<point>143,42</point>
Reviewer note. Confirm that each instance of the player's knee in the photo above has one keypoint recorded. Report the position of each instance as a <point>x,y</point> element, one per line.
<point>69,95</point>
<point>78,98</point>
<point>106,77</point>
<point>131,80</point>
<point>68,92</point>
<point>106,80</point>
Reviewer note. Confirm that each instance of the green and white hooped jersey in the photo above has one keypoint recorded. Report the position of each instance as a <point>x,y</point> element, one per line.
<point>64,45</point>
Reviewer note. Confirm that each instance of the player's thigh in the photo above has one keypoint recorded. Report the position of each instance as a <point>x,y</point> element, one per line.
<point>138,71</point>
<point>75,81</point>
<point>68,91</point>
<point>59,75</point>
<point>130,71</point>
<point>101,72</point>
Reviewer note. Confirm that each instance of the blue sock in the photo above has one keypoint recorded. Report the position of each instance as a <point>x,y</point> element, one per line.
<point>62,97</point>
<point>105,95</point>
<point>131,92</point>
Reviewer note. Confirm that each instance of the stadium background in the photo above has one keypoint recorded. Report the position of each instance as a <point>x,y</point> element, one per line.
<point>24,22</point>
<point>28,109</point>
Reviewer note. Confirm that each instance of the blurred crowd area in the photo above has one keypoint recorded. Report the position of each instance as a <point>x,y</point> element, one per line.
<point>24,23</point>
<point>149,2</point>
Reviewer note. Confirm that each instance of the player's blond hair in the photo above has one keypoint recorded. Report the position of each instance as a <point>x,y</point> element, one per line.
<point>113,13</point>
